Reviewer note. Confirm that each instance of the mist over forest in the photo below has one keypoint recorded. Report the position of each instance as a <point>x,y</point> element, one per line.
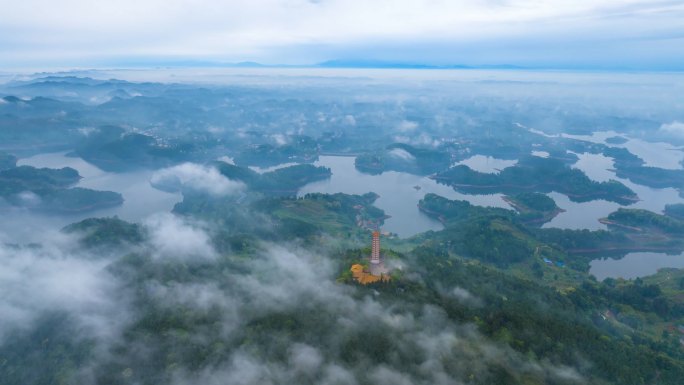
<point>199,226</point>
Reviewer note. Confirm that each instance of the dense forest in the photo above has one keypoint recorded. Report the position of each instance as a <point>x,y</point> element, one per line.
<point>245,276</point>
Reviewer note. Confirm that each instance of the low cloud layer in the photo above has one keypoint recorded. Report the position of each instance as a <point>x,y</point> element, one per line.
<point>428,347</point>
<point>675,129</point>
<point>195,177</point>
<point>276,317</point>
<point>407,126</point>
<point>175,238</point>
<point>56,277</point>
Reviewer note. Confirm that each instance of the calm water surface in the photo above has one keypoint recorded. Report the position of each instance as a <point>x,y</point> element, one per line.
<point>398,194</point>
<point>140,198</point>
<point>654,154</point>
<point>586,215</point>
<point>634,265</point>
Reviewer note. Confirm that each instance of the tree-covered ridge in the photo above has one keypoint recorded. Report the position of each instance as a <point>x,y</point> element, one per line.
<point>452,212</point>
<point>78,199</point>
<point>405,158</point>
<point>484,325</point>
<point>504,237</point>
<point>249,286</point>
<point>298,148</point>
<point>536,174</point>
<point>534,208</point>
<point>283,181</point>
<point>30,178</point>
<point>106,232</point>
<point>112,148</point>
<point>630,166</point>
<point>331,213</point>
<point>675,210</point>
<point>50,190</point>
<point>7,161</point>
<point>643,220</point>
<point>241,221</point>
<point>534,201</point>
<point>558,325</point>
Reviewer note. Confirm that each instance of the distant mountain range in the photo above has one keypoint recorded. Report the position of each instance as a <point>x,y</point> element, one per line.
<point>407,65</point>
<point>336,63</point>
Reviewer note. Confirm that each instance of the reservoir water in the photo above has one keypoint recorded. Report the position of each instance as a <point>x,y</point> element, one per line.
<point>399,194</point>
<point>140,198</point>
<point>634,265</point>
<point>585,215</point>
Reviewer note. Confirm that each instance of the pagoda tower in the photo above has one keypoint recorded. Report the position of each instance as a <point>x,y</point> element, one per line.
<point>375,248</point>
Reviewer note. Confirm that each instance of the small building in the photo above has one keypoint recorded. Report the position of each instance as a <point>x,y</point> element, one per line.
<point>364,277</point>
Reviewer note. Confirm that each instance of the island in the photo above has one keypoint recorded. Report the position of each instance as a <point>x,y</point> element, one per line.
<point>404,158</point>
<point>534,208</point>
<point>536,174</point>
<point>50,190</point>
<point>283,181</point>
<point>630,166</point>
<point>111,148</point>
<point>644,221</point>
<point>108,232</point>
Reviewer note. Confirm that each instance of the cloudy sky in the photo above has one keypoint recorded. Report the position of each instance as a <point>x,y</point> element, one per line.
<point>639,34</point>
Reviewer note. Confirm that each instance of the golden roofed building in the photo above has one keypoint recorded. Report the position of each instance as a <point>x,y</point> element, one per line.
<point>364,277</point>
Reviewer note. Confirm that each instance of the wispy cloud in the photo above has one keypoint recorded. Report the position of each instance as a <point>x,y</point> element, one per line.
<point>195,177</point>
<point>56,277</point>
<point>675,129</point>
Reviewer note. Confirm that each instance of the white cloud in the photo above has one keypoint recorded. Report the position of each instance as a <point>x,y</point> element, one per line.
<point>29,199</point>
<point>465,297</point>
<point>278,280</point>
<point>421,140</point>
<point>676,128</point>
<point>56,277</point>
<point>406,126</point>
<point>279,139</point>
<point>401,154</point>
<point>304,358</point>
<point>86,131</point>
<point>172,237</point>
<point>79,29</point>
<point>195,177</point>
<point>350,120</point>
<point>226,159</point>
<point>286,281</point>
<point>541,154</point>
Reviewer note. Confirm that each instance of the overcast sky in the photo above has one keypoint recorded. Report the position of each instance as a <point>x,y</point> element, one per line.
<point>636,34</point>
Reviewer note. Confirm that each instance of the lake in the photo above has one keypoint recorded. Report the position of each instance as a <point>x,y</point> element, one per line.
<point>634,265</point>
<point>398,194</point>
<point>140,198</point>
<point>586,215</point>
